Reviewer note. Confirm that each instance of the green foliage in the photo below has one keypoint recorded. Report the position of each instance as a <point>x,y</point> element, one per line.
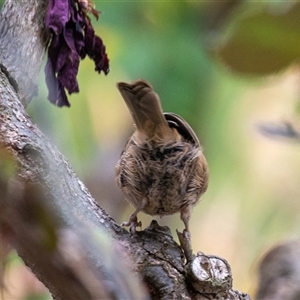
<point>253,189</point>
<point>262,41</point>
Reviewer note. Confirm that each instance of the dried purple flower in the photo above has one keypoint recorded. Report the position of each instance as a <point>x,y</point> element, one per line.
<point>95,49</point>
<point>73,37</point>
<point>89,7</point>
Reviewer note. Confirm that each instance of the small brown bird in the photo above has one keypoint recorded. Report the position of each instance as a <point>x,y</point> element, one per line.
<point>162,169</point>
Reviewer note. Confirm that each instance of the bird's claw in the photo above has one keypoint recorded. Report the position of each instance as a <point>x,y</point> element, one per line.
<point>132,223</point>
<point>187,235</point>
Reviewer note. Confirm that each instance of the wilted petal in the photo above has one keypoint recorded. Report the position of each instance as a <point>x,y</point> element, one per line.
<point>79,44</point>
<point>77,23</point>
<point>56,93</point>
<point>62,99</point>
<point>57,15</point>
<point>53,51</point>
<point>89,39</point>
<point>77,16</point>
<point>67,74</point>
<point>95,13</point>
<point>95,49</point>
<point>101,59</point>
<point>51,81</point>
<point>63,54</point>
<point>67,77</point>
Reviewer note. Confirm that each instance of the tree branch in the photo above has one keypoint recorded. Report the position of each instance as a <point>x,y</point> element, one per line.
<point>56,226</point>
<point>23,40</point>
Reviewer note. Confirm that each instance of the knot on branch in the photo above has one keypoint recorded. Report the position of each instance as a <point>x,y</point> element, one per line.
<point>211,276</point>
<point>209,273</point>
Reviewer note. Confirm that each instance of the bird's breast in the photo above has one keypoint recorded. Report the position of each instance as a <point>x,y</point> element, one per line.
<point>165,175</point>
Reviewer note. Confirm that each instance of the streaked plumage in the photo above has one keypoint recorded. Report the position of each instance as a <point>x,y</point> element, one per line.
<point>162,169</point>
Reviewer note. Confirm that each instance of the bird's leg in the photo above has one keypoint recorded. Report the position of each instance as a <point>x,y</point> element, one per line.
<point>133,220</point>
<point>185,215</point>
<point>185,237</point>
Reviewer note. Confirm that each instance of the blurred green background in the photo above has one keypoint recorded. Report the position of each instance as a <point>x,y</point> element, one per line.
<point>203,58</point>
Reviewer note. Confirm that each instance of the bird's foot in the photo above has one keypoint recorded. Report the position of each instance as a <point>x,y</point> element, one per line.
<point>132,223</point>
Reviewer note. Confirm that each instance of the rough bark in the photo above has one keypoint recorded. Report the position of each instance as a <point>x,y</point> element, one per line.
<point>23,39</point>
<point>48,215</point>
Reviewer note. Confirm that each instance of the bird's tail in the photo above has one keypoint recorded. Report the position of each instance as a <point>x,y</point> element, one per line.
<point>145,108</point>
